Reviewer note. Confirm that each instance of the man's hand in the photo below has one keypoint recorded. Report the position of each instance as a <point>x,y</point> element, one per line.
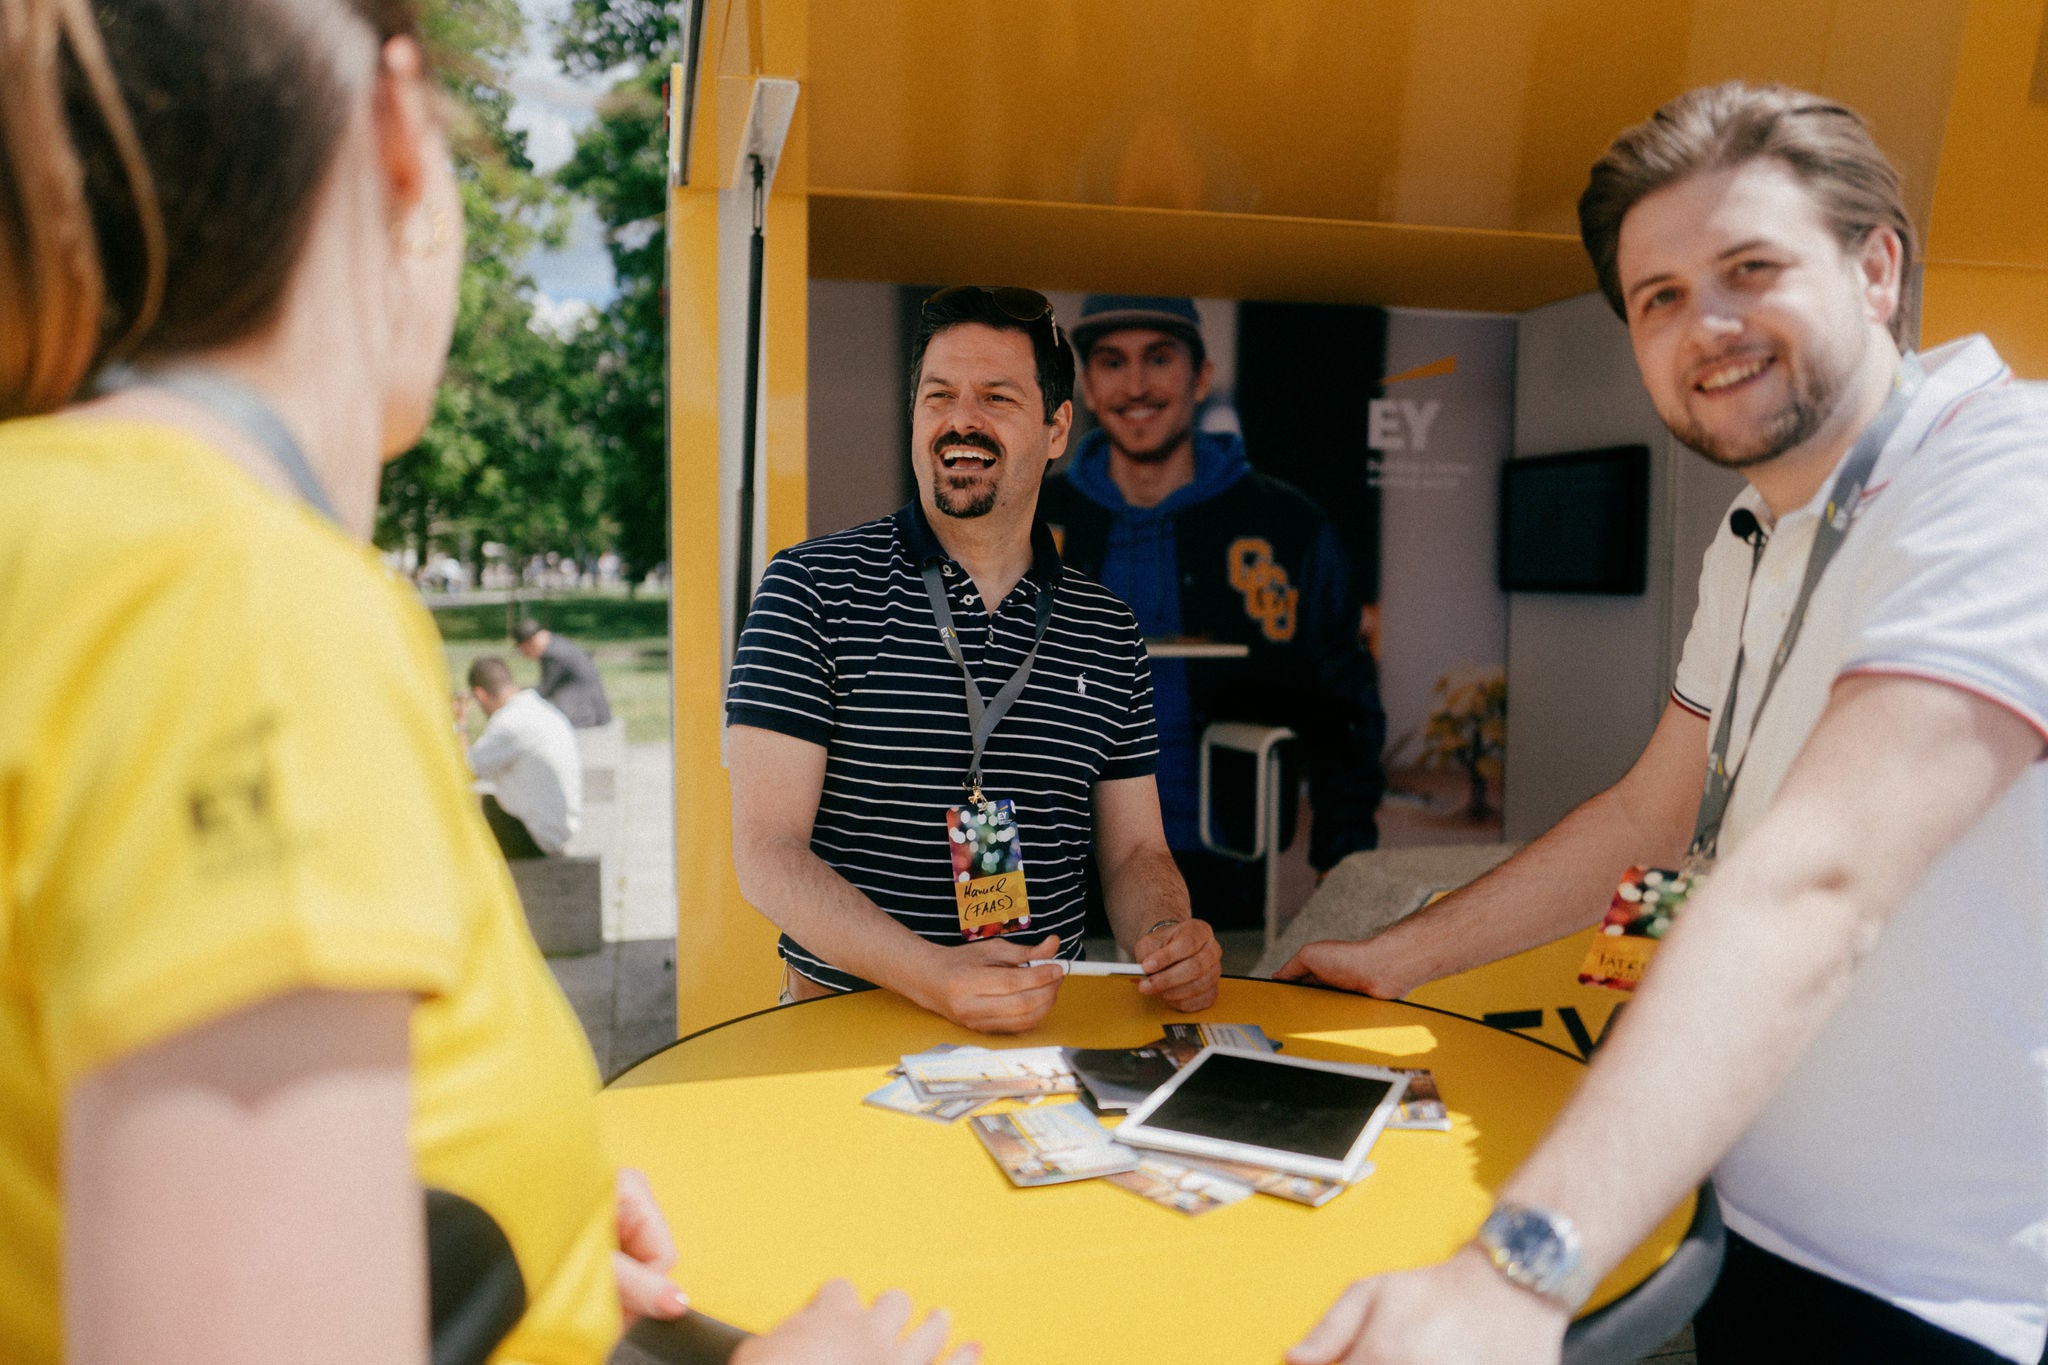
<point>1364,966</point>
<point>833,1329</point>
<point>1462,1312</point>
<point>646,1254</point>
<point>1182,963</point>
<point>984,986</point>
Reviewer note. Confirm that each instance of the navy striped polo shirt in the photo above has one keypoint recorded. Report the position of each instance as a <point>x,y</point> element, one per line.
<point>841,648</point>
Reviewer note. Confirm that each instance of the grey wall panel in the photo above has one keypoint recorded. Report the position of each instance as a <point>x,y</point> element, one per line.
<point>858,408</point>
<point>1588,676</point>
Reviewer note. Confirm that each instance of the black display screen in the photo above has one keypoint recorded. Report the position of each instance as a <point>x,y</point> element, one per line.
<point>1271,1104</point>
<point>1577,522</point>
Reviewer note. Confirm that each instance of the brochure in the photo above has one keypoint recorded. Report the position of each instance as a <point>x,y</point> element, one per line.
<point>1183,1041</point>
<point>897,1095</point>
<point>1010,1073</point>
<point>1180,1186</point>
<point>1117,1078</point>
<point>1051,1145</point>
<point>938,1050</point>
<point>1421,1104</point>
<point>1298,1189</point>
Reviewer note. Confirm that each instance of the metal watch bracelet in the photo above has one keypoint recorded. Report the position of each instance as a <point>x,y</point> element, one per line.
<point>1538,1250</point>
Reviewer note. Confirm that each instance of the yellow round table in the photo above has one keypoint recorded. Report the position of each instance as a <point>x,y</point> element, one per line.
<point>776,1177</point>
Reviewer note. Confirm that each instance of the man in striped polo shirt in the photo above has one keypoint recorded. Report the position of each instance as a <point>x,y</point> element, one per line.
<point>893,840</point>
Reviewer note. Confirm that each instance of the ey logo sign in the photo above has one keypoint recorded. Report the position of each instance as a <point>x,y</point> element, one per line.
<point>1397,424</point>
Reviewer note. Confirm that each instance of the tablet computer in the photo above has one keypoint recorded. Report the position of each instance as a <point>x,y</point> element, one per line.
<point>1292,1114</point>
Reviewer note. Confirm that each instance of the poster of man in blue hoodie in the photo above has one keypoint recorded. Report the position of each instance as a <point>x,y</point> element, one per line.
<point>1176,521</point>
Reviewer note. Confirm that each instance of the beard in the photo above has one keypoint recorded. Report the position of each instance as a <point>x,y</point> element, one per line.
<point>969,499</point>
<point>1815,394</point>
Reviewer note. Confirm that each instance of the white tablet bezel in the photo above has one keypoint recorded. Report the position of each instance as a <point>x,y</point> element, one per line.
<point>1137,1131</point>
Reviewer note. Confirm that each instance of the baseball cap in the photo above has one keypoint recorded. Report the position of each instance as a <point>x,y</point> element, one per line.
<point>1105,313</point>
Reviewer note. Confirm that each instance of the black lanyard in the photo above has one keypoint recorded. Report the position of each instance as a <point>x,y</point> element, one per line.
<point>1835,521</point>
<point>982,716</point>
<point>240,407</point>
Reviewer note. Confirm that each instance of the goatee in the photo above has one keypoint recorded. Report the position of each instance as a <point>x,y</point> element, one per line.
<point>965,502</point>
<point>962,504</point>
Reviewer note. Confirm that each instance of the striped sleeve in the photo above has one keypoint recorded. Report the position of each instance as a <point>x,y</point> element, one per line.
<point>1135,752</point>
<point>782,674</point>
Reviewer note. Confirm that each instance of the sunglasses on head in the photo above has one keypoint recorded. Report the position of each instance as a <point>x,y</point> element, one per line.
<point>1022,305</point>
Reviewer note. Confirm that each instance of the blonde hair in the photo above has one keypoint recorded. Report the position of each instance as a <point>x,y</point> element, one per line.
<point>159,160</point>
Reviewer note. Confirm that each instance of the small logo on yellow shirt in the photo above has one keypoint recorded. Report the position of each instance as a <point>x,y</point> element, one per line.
<point>232,799</point>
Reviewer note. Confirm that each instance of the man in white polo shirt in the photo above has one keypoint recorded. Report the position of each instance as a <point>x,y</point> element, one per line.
<point>1848,1023</point>
<point>528,760</point>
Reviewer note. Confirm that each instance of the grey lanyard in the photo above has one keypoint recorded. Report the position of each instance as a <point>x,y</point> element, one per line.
<point>982,716</point>
<point>240,407</point>
<point>1827,539</point>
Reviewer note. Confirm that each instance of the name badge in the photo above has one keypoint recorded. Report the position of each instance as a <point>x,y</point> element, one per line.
<point>988,868</point>
<point>1637,919</point>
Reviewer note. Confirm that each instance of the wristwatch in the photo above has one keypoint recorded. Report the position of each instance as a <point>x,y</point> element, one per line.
<point>1538,1250</point>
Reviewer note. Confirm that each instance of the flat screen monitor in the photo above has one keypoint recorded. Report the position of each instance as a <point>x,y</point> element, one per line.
<point>1576,522</point>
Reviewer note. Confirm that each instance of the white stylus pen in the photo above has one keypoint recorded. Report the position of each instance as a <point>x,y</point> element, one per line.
<point>1088,968</point>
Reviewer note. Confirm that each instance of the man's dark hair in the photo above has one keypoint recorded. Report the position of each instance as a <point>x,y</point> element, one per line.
<point>953,307</point>
<point>490,673</point>
<point>525,630</point>
<point>1720,127</point>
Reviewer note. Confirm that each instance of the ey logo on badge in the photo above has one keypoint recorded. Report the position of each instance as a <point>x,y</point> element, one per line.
<point>1269,598</point>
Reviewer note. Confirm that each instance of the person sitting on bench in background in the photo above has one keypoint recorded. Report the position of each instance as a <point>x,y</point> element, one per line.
<point>569,679</point>
<point>527,756</point>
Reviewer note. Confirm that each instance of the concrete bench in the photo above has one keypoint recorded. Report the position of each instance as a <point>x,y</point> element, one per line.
<point>564,902</point>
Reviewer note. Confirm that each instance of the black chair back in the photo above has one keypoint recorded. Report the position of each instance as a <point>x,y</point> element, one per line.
<point>474,1287</point>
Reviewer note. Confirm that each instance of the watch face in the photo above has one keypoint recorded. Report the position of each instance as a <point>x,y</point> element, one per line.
<point>1535,1249</point>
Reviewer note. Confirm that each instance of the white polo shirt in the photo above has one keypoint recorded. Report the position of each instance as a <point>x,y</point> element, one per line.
<point>1907,1153</point>
<point>527,758</point>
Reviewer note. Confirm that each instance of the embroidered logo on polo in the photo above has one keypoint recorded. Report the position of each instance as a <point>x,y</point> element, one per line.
<point>1269,598</point>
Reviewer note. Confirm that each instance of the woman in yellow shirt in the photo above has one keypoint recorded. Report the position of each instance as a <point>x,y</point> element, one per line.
<point>262,975</point>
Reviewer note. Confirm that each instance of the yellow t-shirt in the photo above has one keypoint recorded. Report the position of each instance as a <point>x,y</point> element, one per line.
<point>227,772</point>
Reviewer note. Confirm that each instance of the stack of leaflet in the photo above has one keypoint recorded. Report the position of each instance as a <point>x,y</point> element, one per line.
<point>1054,1140</point>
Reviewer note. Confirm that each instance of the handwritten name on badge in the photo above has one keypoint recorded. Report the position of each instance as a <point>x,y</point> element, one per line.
<point>991,900</point>
<point>1617,962</point>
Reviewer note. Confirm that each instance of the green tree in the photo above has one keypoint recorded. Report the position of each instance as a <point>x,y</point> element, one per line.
<point>599,35</point>
<point>620,165</point>
<point>505,457</point>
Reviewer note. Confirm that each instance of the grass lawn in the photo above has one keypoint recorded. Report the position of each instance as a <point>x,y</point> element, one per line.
<point>628,639</point>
